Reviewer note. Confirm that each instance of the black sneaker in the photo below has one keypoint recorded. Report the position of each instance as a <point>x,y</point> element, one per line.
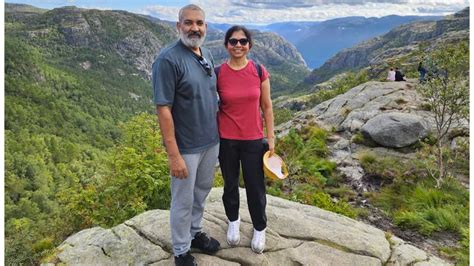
<point>206,244</point>
<point>185,259</point>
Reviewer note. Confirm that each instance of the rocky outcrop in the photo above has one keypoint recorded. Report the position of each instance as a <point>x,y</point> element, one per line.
<point>272,41</point>
<point>297,234</point>
<point>351,110</point>
<point>370,108</point>
<point>395,129</point>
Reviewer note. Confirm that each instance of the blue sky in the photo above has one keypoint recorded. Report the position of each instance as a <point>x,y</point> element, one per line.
<point>268,11</point>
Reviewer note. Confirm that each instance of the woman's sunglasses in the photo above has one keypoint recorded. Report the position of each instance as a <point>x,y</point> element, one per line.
<point>242,41</point>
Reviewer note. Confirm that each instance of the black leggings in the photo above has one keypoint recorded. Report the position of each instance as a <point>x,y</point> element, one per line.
<point>250,153</point>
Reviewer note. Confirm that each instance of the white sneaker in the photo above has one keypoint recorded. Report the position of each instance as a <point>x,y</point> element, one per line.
<point>233,233</point>
<point>258,241</point>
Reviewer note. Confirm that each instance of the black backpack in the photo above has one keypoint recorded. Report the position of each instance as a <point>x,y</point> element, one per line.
<point>257,66</point>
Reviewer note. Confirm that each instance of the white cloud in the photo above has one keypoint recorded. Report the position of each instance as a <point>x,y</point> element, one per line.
<point>270,11</point>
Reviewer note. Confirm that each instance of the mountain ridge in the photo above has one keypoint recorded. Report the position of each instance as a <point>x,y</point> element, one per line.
<point>377,52</point>
<point>318,41</point>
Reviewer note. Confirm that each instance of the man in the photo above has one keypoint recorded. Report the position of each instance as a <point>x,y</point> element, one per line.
<point>185,95</point>
<point>398,75</point>
<point>422,70</point>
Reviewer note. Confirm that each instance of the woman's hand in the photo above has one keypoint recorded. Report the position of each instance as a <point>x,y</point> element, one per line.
<point>271,145</point>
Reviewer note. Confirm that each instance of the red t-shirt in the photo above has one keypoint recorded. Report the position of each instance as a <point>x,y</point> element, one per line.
<point>239,114</point>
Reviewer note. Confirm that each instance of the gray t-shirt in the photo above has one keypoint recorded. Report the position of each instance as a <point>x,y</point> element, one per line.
<point>180,81</point>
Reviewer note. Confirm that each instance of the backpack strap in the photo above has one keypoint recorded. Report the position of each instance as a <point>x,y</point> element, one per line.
<point>259,70</point>
<point>216,71</point>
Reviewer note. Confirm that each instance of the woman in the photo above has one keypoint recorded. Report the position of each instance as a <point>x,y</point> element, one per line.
<point>243,94</point>
<point>391,74</point>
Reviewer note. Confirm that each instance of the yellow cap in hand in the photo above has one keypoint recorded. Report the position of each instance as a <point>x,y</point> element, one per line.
<point>274,167</point>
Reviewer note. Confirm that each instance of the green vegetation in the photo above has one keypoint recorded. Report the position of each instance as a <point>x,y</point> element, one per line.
<point>82,148</point>
<point>284,75</point>
<point>447,92</point>
<point>311,175</point>
<point>409,196</point>
<point>358,138</point>
<point>460,254</point>
<point>282,115</point>
<point>69,164</point>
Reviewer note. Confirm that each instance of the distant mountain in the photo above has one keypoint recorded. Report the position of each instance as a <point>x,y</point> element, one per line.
<point>401,44</point>
<point>17,9</point>
<point>318,41</point>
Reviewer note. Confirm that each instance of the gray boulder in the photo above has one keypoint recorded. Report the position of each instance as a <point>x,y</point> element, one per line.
<point>395,129</point>
<point>297,234</point>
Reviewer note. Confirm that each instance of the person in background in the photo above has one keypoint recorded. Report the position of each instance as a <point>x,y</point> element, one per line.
<point>244,91</point>
<point>422,70</point>
<point>186,103</point>
<point>398,75</point>
<point>391,74</point>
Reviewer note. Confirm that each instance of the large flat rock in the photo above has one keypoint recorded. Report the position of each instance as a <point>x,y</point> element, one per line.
<point>297,234</point>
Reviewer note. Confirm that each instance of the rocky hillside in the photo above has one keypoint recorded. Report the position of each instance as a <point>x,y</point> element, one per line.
<point>134,39</point>
<point>379,52</point>
<point>390,114</point>
<point>380,135</point>
<point>297,234</point>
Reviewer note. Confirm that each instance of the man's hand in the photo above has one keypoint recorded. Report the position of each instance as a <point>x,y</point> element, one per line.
<point>175,160</point>
<point>177,166</point>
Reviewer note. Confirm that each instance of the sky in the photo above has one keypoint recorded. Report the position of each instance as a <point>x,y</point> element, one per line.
<point>267,11</point>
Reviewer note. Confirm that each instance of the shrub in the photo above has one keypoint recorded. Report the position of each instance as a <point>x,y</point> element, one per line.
<point>367,159</point>
<point>425,106</point>
<point>305,153</point>
<point>358,138</point>
<point>282,115</point>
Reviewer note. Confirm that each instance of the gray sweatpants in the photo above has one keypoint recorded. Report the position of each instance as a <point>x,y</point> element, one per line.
<point>188,196</point>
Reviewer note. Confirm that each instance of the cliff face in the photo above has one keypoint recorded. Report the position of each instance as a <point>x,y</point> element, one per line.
<point>398,42</point>
<point>296,234</point>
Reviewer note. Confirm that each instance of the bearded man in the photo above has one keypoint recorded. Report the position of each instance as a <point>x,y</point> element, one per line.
<point>184,90</point>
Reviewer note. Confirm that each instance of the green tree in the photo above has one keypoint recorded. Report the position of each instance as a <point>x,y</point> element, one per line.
<point>135,179</point>
<point>447,92</point>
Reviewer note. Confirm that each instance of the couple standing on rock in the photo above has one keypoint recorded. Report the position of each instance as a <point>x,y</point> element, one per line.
<point>207,113</point>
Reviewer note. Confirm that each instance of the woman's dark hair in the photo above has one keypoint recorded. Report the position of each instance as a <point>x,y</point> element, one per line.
<point>235,28</point>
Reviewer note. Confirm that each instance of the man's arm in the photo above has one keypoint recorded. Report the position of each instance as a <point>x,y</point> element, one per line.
<point>175,160</point>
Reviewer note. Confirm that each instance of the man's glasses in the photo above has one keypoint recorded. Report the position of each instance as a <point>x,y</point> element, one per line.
<point>242,41</point>
<point>205,65</point>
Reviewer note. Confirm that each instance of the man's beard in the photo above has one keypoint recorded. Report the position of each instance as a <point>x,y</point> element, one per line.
<point>192,42</point>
